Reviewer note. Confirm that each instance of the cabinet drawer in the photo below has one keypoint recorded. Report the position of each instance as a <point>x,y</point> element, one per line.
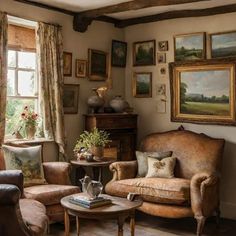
<point>122,123</point>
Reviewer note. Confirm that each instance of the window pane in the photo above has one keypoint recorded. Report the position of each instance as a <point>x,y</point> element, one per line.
<point>26,83</point>
<point>14,109</point>
<point>11,82</point>
<point>26,60</point>
<point>11,58</point>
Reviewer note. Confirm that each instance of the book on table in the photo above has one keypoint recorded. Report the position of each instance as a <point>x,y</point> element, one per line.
<point>90,203</point>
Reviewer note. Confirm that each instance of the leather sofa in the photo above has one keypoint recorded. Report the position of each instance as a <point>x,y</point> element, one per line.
<point>21,217</point>
<point>193,192</point>
<point>57,175</point>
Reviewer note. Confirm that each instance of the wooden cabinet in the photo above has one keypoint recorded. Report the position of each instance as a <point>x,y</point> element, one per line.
<point>123,133</point>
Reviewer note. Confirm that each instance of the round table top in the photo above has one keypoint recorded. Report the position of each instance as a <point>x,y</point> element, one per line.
<point>104,162</point>
<point>118,206</point>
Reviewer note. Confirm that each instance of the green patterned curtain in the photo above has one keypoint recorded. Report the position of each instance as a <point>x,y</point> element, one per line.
<point>3,73</point>
<point>50,68</point>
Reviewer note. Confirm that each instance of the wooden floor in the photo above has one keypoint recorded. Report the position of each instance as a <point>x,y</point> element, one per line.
<point>149,226</point>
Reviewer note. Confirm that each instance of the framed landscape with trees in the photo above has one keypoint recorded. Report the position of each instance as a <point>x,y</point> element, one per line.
<point>203,92</point>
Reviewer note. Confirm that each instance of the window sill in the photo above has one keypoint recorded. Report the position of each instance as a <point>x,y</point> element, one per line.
<point>27,141</point>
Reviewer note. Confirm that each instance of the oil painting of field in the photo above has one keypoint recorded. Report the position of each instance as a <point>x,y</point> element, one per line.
<point>190,47</point>
<point>223,45</point>
<point>205,92</point>
<point>143,84</point>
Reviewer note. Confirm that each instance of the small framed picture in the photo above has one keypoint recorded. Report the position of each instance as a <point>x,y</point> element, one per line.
<point>70,98</point>
<point>67,63</point>
<point>163,70</point>
<point>118,53</point>
<point>161,57</point>
<point>144,53</point>
<point>142,84</point>
<point>161,90</point>
<point>223,44</point>
<point>80,68</point>
<point>163,45</point>
<point>98,65</point>
<point>190,47</point>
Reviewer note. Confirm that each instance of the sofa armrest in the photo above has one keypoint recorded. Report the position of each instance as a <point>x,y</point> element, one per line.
<point>9,194</point>
<point>124,170</point>
<point>204,190</point>
<point>57,173</point>
<point>13,177</point>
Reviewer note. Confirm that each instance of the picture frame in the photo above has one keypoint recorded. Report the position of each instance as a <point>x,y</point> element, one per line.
<point>67,63</point>
<point>80,68</point>
<point>203,92</point>
<point>163,46</point>
<point>118,53</point>
<point>161,89</point>
<point>142,84</point>
<point>71,98</point>
<point>228,40</point>
<point>144,53</point>
<point>161,57</point>
<point>190,47</point>
<point>98,65</point>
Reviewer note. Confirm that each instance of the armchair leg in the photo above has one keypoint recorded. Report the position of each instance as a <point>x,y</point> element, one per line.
<point>200,224</point>
<point>218,216</point>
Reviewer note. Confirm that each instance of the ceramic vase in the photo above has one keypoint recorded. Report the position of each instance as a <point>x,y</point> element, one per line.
<point>30,131</point>
<point>95,102</point>
<point>97,152</point>
<point>118,104</point>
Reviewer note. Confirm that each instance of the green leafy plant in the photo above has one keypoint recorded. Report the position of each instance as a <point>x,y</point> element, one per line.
<point>97,138</point>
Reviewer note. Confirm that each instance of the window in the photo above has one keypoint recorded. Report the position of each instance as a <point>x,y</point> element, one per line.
<point>22,81</point>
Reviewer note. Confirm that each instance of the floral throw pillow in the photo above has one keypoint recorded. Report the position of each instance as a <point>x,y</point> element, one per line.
<point>26,159</point>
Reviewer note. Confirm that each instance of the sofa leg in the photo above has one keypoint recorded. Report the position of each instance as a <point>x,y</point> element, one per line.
<point>218,217</point>
<point>200,224</point>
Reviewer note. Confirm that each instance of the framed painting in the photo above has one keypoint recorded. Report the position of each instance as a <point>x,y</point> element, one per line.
<point>98,65</point>
<point>203,92</point>
<point>118,53</point>
<point>190,47</point>
<point>144,53</point>
<point>67,63</point>
<point>70,98</point>
<point>223,44</point>
<point>80,68</point>
<point>142,84</point>
<point>161,57</point>
<point>163,45</point>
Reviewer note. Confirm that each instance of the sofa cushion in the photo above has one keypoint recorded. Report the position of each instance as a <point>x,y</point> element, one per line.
<point>49,194</point>
<point>34,216</point>
<point>143,162</point>
<point>26,159</point>
<point>161,168</point>
<point>159,190</point>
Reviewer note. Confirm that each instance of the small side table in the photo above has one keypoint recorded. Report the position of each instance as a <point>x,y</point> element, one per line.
<point>94,165</point>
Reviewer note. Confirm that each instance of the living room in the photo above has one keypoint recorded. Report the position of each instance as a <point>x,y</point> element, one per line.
<point>156,111</point>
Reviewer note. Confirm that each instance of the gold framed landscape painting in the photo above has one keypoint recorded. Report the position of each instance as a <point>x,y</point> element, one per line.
<point>203,92</point>
<point>142,84</point>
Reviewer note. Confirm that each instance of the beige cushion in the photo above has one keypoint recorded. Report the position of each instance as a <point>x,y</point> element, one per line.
<point>49,194</point>
<point>159,190</point>
<point>26,159</point>
<point>161,168</point>
<point>34,215</point>
<point>143,163</point>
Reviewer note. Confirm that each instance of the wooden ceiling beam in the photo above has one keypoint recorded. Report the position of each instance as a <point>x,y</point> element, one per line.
<point>177,14</point>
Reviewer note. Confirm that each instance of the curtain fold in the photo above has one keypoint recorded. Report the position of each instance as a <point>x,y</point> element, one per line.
<point>50,71</point>
<point>3,73</point>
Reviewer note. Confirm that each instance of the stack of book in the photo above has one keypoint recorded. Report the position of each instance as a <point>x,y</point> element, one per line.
<point>89,203</point>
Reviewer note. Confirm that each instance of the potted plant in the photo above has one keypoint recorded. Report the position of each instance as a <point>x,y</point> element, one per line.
<point>93,142</point>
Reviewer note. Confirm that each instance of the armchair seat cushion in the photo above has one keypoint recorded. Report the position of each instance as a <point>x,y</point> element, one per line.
<point>49,194</point>
<point>34,215</point>
<point>159,190</point>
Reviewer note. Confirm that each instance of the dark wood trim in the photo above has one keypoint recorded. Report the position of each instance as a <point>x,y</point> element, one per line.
<point>37,4</point>
<point>178,14</point>
<point>133,5</point>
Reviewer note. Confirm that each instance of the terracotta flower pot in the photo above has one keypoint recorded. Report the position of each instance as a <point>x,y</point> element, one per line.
<point>30,131</point>
<point>97,152</point>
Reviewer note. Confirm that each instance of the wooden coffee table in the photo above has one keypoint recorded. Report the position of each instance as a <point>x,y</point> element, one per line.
<point>120,209</point>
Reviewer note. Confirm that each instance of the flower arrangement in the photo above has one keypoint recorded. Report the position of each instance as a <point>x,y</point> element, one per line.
<point>29,117</point>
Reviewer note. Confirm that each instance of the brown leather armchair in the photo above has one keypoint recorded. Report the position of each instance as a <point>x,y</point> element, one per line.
<point>57,175</point>
<point>21,217</point>
<point>194,192</point>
